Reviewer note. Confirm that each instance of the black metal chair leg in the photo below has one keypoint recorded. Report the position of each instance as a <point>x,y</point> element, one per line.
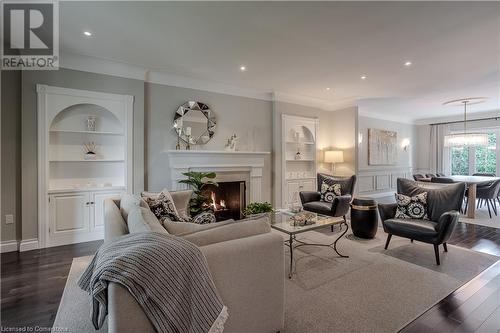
<point>387,241</point>
<point>445,247</point>
<point>331,228</point>
<point>436,252</point>
<point>489,210</point>
<point>494,206</point>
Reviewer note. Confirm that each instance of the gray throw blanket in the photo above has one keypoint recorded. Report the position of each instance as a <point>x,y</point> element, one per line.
<point>167,275</point>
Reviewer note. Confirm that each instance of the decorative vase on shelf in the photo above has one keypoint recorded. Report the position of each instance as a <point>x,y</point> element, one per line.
<point>91,123</point>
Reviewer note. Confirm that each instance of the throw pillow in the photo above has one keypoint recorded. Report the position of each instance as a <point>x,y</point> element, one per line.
<point>411,207</point>
<point>204,218</point>
<point>329,192</point>
<point>163,207</point>
<point>142,219</point>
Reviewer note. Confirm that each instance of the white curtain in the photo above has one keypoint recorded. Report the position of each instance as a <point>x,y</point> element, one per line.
<point>439,155</point>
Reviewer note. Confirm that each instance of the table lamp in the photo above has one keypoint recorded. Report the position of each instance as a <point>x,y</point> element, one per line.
<point>334,156</point>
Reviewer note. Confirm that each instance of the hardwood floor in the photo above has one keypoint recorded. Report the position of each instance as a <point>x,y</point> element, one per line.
<point>33,282</point>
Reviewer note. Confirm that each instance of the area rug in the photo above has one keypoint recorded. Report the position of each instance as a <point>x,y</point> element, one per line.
<point>371,291</point>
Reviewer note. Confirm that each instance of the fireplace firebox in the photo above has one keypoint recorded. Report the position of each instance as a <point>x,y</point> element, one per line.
<point>227,200</point>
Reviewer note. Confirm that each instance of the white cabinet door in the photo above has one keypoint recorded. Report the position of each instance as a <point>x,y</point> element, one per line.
<point>97,208</point>
<point>309,185</point>
<point>292,192</point>
<point>68,218</point>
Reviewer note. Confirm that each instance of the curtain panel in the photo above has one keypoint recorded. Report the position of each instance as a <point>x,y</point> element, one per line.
<point>439,155</point>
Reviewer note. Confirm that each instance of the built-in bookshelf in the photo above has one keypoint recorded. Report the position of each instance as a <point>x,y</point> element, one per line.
<point>84,157</point>
<point>299,157</point>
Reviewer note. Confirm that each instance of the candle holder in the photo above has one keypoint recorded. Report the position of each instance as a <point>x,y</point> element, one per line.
<point>188,144</point>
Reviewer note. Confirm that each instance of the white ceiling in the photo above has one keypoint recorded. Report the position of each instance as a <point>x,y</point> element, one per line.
<point>300,48</point>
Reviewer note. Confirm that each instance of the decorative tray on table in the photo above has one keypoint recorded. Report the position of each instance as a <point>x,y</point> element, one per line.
<point>302,219</point>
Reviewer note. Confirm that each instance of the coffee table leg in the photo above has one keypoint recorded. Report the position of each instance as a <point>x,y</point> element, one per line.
<point>290,244</point>
<point>335,243</point>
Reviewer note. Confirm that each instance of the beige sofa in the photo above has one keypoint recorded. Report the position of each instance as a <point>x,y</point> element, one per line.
<point>248,272</point>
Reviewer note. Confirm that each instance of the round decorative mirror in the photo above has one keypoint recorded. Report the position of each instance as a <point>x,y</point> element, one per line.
<point>194,123</point>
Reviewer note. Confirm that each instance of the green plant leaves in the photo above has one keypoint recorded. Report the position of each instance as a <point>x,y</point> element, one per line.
<point>258,207</point>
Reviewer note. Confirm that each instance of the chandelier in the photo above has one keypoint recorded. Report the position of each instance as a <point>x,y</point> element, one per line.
<point>466,138</point>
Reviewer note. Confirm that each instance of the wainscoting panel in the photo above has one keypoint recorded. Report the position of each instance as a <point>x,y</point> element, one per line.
<point>380,183</point>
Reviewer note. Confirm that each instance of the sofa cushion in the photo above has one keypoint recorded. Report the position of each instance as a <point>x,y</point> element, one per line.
<point>411,207</point>
<point>330,191</point>
<point>439,201</point>
<point>230,231</point>
<point>164,208</point>
<point>129,202</point>
<point>141,219</point>
<point>181,200</point>
<point>321,207</point>
<point>180,228</point>
<point>418,229</point>
<point>204,218</point>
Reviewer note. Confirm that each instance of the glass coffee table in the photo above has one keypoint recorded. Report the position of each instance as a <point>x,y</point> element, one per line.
<point>283,222</point>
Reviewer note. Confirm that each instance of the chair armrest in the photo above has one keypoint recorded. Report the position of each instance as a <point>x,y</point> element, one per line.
<point>341,205</point>
<point>387,211</point>
<point>446,225</point>
<point>249,275</point>
<point>309,196</point>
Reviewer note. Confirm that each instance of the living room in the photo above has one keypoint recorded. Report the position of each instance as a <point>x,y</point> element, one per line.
<point>270,128</point>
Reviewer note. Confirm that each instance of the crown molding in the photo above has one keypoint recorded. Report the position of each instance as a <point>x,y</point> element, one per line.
<point>114,68</point>
<point>382,116</point>
<point>314,102</point>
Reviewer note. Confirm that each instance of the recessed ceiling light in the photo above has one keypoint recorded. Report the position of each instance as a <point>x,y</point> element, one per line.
<point>87,33</point>
<point>328,89</point>
<point>243,68</point>
<point>363,77</point>
<point>408,63</point>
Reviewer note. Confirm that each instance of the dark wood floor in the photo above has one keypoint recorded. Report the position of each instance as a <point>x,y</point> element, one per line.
<point>33,283</point>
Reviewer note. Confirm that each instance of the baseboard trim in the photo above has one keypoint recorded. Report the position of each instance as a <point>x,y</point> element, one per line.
<point>28,245</point>
<point>9,246</point>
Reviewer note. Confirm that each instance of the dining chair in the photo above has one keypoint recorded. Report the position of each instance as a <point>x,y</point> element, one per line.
<point>443,180</point>
<point>489,194</point>
<point>429,175</point>
<point>439,174</point>
<point>418,176</point>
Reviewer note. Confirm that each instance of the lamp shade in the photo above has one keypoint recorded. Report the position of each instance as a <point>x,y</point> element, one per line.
<point>334,156</point>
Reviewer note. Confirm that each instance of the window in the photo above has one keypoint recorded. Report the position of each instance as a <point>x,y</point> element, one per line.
<point>470,160</point>
<point>459,161</point>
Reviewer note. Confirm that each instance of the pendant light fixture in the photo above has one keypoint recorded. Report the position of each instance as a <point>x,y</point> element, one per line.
<point>466,138</point>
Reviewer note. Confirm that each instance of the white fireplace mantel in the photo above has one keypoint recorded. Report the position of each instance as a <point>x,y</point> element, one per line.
<point>181,161</point>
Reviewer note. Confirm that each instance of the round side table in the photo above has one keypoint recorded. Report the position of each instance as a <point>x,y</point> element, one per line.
<point>364,217</point>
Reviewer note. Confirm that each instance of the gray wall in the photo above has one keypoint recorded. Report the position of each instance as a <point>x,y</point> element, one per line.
<point>250,119</point>
<point>381,179</point>
<point>337,130</point>
<point>11,154</point>
<point>76,80</point>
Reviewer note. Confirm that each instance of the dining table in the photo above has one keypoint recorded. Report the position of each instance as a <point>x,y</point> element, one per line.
<point>472,182</point>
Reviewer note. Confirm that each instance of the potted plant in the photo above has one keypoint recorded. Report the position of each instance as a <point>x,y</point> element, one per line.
<point>256,209</point>
<point>198,180</point>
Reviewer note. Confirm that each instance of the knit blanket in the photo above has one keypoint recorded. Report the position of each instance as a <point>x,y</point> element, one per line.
<point>167,275</point>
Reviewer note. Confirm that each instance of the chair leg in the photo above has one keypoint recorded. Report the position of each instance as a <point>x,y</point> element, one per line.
<point>445,247</point>
<point>436,252</point>
<point>331,228</point>
<point>489,210</point>
<point>411,240</point>
<point>494,206</point>
<point>387,241</point>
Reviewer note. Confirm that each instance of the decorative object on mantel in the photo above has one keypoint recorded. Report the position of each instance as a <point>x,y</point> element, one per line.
<point>90,151</point>
<point>198,180</point>
<point>382,147</point>
<point>334,157</point>
<point>91,123</point>
<point>466,138</point>
<point>296,136</point>
<point>258,209</point>
<point>194,123</point>
<point>231,143</point>
<point>178,145</point>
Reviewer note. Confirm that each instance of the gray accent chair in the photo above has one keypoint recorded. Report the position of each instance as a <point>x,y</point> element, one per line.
<point>246,261</point>
<point>442,210</point>
<point>311,200</point>
<point>489,194</point>
<point>418,176</point>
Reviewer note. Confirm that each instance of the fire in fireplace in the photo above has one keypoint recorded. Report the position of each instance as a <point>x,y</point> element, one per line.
<point>227,200</point>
